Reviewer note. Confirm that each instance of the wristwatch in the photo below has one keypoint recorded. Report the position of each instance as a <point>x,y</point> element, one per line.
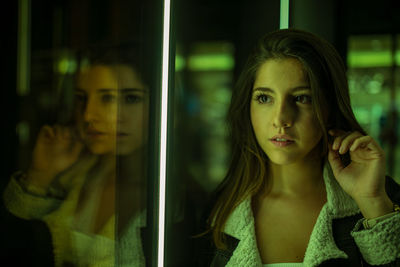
<point>369,223</point>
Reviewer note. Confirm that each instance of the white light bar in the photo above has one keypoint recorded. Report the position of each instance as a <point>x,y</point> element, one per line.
<point>163,134</point>
<point>23,56</point>
<point>284,19</point>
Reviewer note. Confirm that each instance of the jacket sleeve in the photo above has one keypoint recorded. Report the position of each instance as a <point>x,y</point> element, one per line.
<point>380,245</point>
<point>26,205</point>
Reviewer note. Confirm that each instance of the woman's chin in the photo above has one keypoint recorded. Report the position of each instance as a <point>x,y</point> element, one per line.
<point>115,148</point>
<point>283,159</point>
<point>101,150</point>
<point>128,150</point>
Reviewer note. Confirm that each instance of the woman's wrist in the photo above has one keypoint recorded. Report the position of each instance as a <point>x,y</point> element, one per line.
<point>35,182</point>
<point>375,207</point>
<point>27,186</point>
<point>40,179</point>
<point>37,187</point>
<point>370,223</point>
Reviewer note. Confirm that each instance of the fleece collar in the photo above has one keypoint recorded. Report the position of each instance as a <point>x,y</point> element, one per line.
<point>321,246</point>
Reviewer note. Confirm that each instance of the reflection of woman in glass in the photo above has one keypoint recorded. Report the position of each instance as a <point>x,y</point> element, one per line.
<point>72,181</point>
<point>306,185</point>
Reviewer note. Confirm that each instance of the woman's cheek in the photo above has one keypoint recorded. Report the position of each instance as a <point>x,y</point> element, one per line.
<point>309,126</point>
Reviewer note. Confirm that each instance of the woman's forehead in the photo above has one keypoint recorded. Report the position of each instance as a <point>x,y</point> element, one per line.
<point>278,74</point>
<point>109,77</point>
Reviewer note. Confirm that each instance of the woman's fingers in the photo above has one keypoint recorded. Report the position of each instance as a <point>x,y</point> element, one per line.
<point>59,136</point>
<point>373,148</point>
<point>351,141</point>
<point>66,132</point>
<point>335,160</point>
<point>339,138</point>
<point>47,132</point>
<point>348,141</point>
<point>344,140</point>
<point>61,132</point>
<point>361,142</point>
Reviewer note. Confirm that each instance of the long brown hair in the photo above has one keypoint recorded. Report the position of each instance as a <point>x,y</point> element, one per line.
<point>331,104</point>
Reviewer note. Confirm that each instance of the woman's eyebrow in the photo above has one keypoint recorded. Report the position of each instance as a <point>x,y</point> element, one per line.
<point>264,89</point>
<point>301,88</point>
<point>106,90</point>
<point>297,88</point>
<point>131,90</point>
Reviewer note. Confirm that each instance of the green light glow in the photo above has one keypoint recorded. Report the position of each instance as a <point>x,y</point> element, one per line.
<point>397,58</point>
<point>207,62</point>
<point>66,65</point>
<point>365,59</point>
<point>180,63</point>
<point>362,115</point>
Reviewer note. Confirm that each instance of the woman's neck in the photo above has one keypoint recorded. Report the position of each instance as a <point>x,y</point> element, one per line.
<point>297,180</point>
<point>131,165</point>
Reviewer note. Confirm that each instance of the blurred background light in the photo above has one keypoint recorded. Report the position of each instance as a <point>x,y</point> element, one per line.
<point>363,59</point>
<point>66,65</point>
<point>207,62</point>
<point>180,62</point>
<point>211,56</point>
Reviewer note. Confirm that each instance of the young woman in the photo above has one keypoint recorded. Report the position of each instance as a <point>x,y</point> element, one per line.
<point>306,185</point>
<point>72,183</point>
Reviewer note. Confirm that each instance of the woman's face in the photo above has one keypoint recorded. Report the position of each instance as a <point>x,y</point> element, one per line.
<point>281,112</point>
<point>111,109</point>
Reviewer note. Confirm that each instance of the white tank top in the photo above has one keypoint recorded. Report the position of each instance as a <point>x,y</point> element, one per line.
<point>288,264</point>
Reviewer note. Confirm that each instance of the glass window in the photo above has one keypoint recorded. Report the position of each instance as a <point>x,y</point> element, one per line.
<point>213,40</point>
<point>88,76</point>
<point>373,61</point>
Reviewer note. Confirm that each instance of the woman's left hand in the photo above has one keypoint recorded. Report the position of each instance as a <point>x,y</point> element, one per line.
<point>364,178</point>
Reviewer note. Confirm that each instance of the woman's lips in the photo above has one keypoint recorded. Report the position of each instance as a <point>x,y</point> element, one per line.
<point>282,140</point>
<point>122,135</point>
<point>282,143</point>
<point>94,133</point>
<point>99,134</point>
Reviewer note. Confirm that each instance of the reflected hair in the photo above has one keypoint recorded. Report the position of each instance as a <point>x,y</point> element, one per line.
<point>106,54</point>
<point>325,71</point>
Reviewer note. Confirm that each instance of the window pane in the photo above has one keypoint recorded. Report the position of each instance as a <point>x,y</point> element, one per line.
<point>372,61</point>
<point>213,40</point>
<point>88,72</point>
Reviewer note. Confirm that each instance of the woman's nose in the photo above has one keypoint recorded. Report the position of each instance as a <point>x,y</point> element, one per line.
<point>284,115</point>
<point>91,110</point>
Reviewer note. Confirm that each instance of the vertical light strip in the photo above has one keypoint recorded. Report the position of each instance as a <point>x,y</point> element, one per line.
<point>23,48</point>
<point>284,19</point>
<point>163,134</point>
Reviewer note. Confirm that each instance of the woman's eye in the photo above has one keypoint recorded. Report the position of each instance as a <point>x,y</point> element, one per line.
<point>303,99</point>
<point>80,98</point>
<point>263,99</point>
<point>131,99</point>
<point>108,98</point>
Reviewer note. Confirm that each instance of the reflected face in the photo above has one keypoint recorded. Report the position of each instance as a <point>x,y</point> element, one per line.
<point>111,109</point>
<point>281,112</point>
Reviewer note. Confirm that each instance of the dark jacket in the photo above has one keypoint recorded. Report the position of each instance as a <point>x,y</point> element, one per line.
<point>209,255</point>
